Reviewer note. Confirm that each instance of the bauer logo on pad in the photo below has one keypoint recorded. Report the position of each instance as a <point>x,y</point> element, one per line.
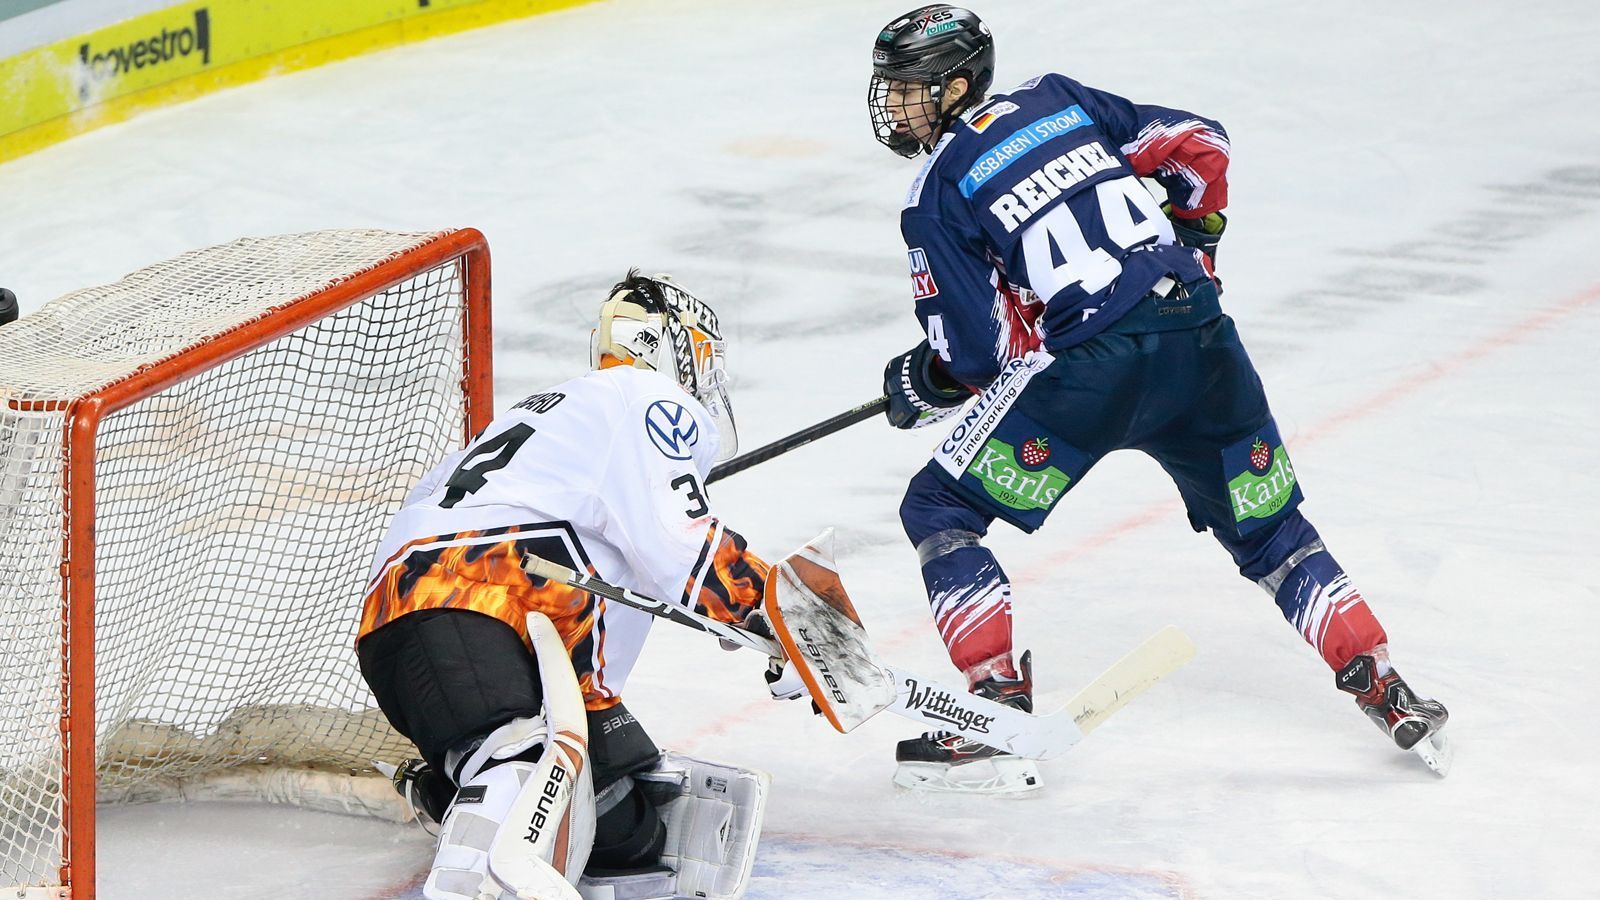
<point>922,284</point>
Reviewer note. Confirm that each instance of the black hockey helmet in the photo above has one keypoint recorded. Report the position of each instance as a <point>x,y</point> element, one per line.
<point>930,45</point>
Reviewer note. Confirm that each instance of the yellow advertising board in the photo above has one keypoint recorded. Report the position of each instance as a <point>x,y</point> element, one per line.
<point>64,89</point>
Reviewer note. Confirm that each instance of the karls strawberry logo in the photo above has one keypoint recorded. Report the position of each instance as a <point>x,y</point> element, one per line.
<point>1035,453</point>
<point>1260,455</point>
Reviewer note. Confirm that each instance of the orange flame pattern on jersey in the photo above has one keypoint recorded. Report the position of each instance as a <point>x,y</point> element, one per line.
<point>488,578</point>
<point>735,583</point>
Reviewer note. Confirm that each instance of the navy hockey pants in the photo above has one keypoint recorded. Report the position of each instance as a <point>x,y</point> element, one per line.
<point>1170,379</point>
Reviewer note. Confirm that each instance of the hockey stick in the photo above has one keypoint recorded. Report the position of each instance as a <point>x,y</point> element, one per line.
<point>539,567</point>
<point>799,439</point>
<point>922,700</point>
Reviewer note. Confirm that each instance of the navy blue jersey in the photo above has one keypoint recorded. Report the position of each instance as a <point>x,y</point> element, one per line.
<point>1029,226</point>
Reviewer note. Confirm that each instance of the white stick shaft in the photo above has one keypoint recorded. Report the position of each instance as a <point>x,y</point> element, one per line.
<point>981,719</point>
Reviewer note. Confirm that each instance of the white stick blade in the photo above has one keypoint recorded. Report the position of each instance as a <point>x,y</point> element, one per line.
<point>1165,652</point>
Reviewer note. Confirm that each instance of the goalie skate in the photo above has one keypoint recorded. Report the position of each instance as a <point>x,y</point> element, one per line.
<point>945,762</point>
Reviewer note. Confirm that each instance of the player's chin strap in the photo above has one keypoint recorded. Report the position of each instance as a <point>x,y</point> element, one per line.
<point>820,633</point>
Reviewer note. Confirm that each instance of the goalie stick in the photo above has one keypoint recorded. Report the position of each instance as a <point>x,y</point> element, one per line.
<point>929,702</point>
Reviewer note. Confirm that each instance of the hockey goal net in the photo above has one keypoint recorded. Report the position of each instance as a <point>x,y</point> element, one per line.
<point>196,464</point>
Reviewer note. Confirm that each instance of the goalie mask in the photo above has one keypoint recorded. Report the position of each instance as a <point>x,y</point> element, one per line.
<point>652,322</point>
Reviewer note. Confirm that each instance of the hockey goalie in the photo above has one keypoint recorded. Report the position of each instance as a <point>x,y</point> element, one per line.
<point>511,685</point>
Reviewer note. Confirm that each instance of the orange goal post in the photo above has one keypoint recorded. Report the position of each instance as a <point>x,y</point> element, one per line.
<point>196,465</point>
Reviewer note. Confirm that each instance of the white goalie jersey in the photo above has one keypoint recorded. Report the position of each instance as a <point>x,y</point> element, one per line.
<point>604,473</point>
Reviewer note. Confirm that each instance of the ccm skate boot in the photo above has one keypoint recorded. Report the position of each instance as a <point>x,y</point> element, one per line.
<point>1413,722</point>
<point>945,762</point>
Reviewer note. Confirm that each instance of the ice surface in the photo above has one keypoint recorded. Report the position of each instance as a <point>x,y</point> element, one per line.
<point>1411,260</point>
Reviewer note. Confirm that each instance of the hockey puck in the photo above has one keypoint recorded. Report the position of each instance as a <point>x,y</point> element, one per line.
<point>8,306</point>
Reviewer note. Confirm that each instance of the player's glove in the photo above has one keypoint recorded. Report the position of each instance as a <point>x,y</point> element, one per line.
<point>920,391</point>
<point>8,306</point>
<point>1203,234</point>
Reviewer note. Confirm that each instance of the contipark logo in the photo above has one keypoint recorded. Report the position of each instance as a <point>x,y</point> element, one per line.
<point>104,63</point>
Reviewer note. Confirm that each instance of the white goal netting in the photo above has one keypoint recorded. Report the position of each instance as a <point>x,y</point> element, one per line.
<point>235,514</point>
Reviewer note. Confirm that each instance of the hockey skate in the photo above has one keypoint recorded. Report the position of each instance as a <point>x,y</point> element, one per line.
<point>1414,723</point>
<point>427,792</point>
<point>945,762</point>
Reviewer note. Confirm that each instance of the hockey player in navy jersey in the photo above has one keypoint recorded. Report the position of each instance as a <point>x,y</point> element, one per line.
<point>1083,310</point>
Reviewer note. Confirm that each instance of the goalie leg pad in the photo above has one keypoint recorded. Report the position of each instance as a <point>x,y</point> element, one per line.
<point>488,808</point>
<point>461,864</point>
<point>655,883</point>
<point>544,841</point>
<point>524,738</point>
<point>713,814</point>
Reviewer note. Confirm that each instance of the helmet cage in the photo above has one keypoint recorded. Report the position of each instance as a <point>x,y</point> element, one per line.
<point>885,122</point>
<point>651,322</point>
<point>903,53</point>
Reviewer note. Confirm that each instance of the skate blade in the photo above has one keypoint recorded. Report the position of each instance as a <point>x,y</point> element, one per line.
<point>1436,752</point>
<point>1010,776</point>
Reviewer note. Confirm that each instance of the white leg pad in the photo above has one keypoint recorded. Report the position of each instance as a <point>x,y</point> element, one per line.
<point>548,830</point>
<point>461,864</point>
<point>543,843</point>
<point>713,823</point>
<point>510,739</point>
<point>654,884</point>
